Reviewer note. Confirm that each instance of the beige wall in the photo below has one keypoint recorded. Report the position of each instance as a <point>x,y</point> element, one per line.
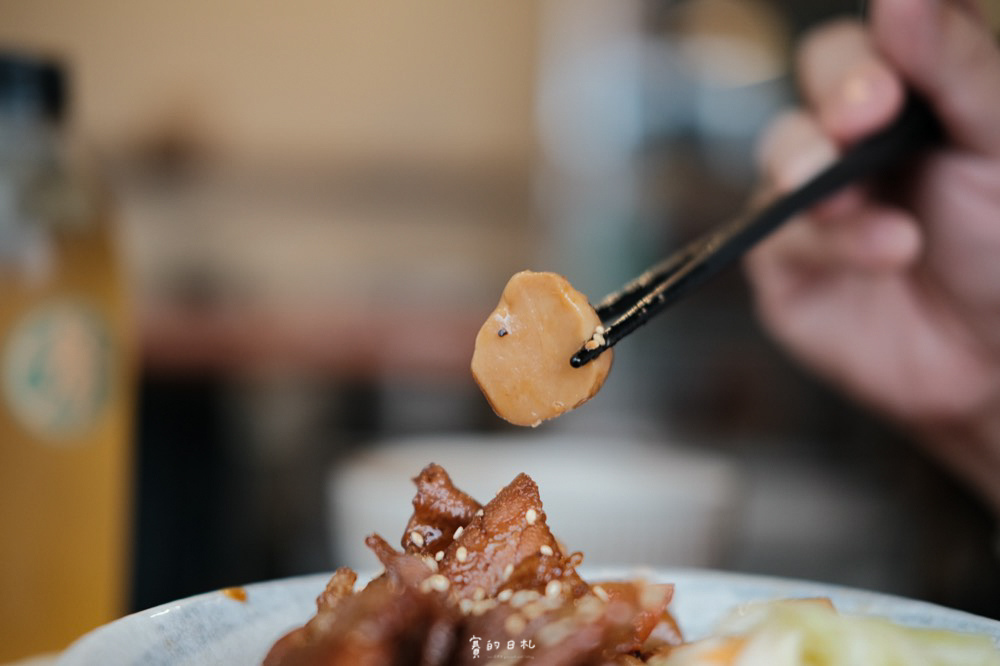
<point>312,131</point>
<point>341,79</point>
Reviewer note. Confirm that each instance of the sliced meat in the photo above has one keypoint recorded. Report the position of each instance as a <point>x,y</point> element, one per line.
<point>439,509</point>
<point>652,624</point>
<point>404,569</point>
<point>508,546</point>
<point>555,629</point>
<point>340,586</point>
<point>501,585</point>
<point>383,624</point>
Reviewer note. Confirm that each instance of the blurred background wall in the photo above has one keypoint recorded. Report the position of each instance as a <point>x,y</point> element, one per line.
<point>320,201</point>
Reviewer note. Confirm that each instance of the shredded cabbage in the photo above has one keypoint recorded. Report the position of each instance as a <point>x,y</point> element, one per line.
<point>814,634</point>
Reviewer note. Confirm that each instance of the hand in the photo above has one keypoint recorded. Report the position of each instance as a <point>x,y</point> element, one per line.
<point>893,291</point>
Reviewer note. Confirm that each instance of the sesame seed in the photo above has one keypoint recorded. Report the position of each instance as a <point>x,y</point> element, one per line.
<point>591,345</point>
<point>417,539</point>
<point>479,594</point>
<point>440,583</point>
<point>530,516</point>
<point>533,610</point>
<point>430,562</point>
<point>505,595</point>
<point>465,605</point>
<point>479,512</point>
<point>435,582</point>
<point>555,632</point>
<point>601,593</point>
<point>514,624</point>
<point>507,571</point>
<point>458,532</point>
<point>438,556</point>
<point>483,605</point>
<point>599,339</point>
<point>553,588</point>
<point>546,550</point>
<point>461,554</point>
<point>588,609</point>
<point>523,597</point>
<point>600,330</point>
<point>551,603</point>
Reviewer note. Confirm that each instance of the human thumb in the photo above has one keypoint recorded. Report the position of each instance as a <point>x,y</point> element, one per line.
<point>945,50</point>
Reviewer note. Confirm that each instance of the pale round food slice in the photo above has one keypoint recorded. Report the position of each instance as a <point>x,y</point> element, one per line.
<point>521,359</point>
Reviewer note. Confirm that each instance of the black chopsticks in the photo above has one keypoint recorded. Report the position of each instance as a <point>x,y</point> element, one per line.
<point>674,278</point>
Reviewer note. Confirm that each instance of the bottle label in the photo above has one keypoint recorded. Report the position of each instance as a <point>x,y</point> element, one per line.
<point>57,369</point>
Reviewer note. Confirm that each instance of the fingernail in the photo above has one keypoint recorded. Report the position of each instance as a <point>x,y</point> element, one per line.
<point>869,87</point>
<point>856,90</point>
<point>865,100</point>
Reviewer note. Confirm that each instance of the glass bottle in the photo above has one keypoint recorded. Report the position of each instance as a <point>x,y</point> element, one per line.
<point>66,367</point>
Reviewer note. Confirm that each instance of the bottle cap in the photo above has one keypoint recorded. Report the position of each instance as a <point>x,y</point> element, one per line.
<point>31,84</point>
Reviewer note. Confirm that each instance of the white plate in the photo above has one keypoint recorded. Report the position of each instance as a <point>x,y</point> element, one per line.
<point>214,628</point>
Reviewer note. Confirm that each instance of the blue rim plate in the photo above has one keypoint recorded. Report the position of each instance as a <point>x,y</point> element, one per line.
<point>215,628</point>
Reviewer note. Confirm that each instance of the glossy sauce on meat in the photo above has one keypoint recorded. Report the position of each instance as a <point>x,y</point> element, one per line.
<point>509,540</point>
<point>521,359</point>
<point>502,574</point>
<point>439,509</point>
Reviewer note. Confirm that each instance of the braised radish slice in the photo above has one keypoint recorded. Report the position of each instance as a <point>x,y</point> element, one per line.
<point>521,360</point>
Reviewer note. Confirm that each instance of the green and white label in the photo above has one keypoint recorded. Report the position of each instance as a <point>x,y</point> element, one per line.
<point>57,369</point>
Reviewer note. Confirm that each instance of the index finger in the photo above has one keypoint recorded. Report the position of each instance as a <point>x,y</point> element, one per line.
<point>851,88</point>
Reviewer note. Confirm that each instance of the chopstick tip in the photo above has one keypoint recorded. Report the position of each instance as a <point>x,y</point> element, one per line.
<point>585,355</point>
